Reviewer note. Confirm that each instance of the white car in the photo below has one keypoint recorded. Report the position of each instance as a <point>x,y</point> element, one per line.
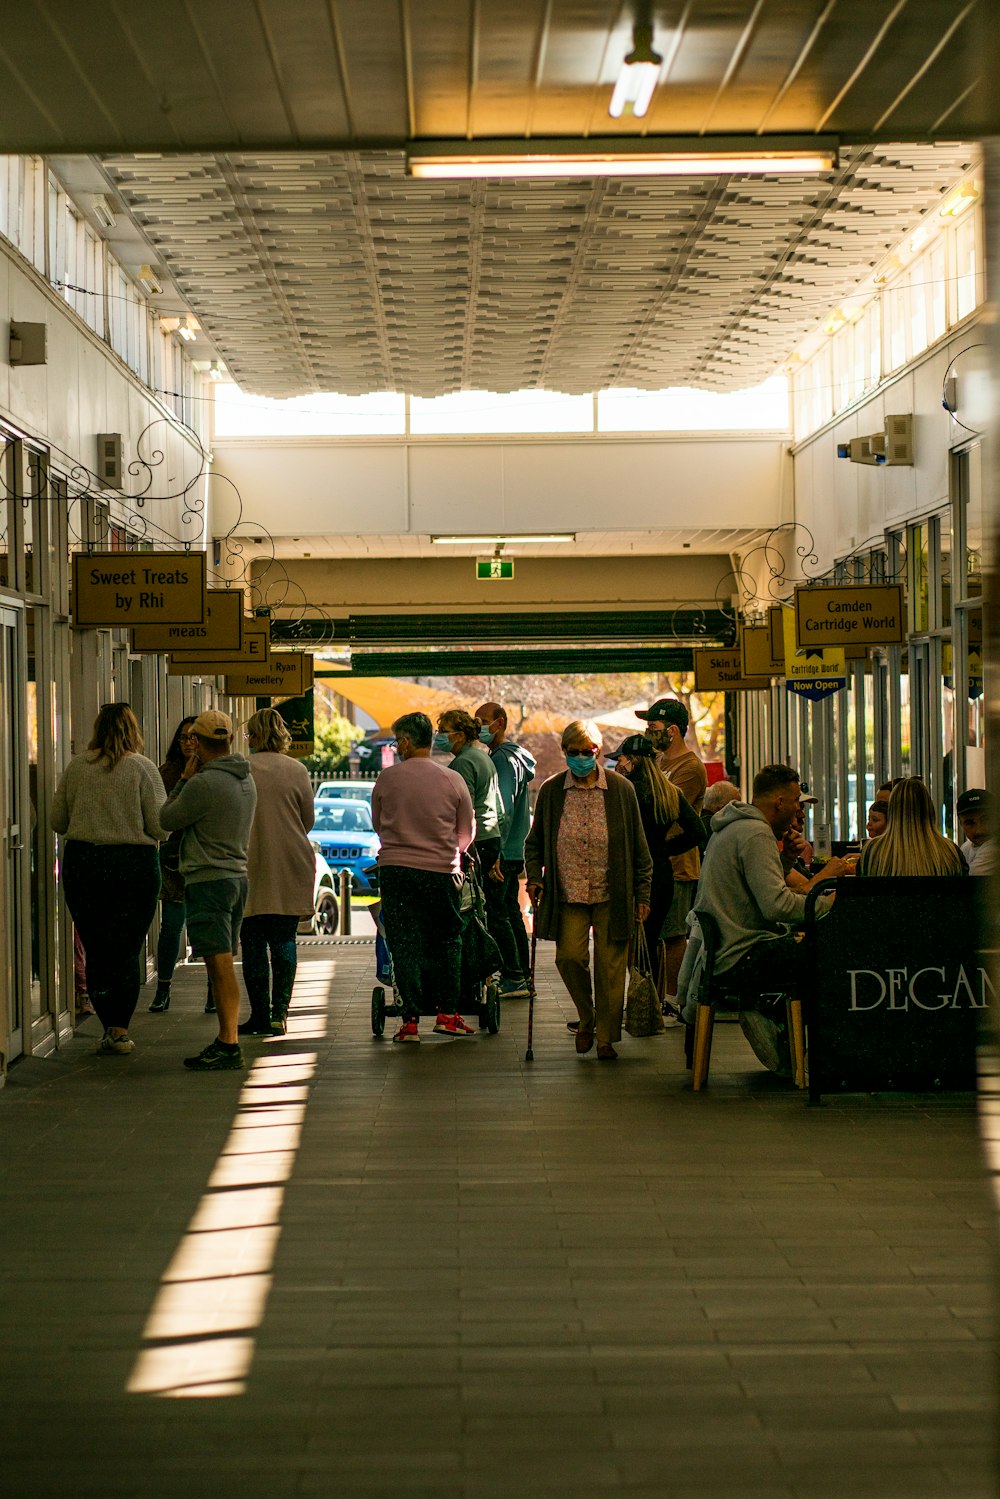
<point>325,919</point>
<point>355,791</point>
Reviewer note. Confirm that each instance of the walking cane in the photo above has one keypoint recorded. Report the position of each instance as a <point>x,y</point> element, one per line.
<point>529,1055</point>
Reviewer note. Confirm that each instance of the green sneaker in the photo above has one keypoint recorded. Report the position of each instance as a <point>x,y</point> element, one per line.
<point>216,1058</point>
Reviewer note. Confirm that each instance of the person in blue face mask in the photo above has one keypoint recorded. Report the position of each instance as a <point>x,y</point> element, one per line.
<point>589,872</point>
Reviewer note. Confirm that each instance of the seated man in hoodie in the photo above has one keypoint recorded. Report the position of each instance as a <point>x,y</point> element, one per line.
<point>515,769</point>
<point>213,805</point>
<point>743,887</point>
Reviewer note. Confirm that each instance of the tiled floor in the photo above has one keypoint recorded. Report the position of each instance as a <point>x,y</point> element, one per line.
<point>464,1277</point>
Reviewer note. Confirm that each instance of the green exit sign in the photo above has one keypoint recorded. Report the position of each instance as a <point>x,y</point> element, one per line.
<point>494,567</point>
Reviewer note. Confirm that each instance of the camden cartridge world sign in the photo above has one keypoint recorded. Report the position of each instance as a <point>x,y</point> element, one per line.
<point>126,589</point>
<point>850,614</point>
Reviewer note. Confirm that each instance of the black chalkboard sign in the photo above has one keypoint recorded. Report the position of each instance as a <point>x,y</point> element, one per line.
<point>896,985</point>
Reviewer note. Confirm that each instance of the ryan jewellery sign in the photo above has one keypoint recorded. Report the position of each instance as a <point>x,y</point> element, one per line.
<point>850,614</point>
<point>125,589</point>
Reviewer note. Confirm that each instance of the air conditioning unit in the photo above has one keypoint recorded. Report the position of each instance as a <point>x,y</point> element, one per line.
<point>894,446</point>
<point>109,459</point>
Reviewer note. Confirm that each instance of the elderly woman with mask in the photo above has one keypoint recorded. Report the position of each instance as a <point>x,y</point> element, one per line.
<point>589,871</point>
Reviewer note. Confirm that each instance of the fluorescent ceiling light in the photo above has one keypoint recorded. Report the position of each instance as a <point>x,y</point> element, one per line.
<point>149,280</point>
<point>489,541</point>
<point>958,201</point>
<point>188,329</point>
<point>622,156</point>
<point>638,77</point>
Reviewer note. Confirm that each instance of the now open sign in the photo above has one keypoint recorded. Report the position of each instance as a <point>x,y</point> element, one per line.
<point>896,985</point>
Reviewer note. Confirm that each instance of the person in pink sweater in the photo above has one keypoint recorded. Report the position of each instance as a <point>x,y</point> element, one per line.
<point>423,815</point>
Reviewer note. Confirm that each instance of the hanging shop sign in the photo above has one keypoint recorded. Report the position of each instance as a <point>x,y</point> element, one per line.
<point>722,671</point>
<point>849,614</point>
<point>286,675</point>
<point>297,713</point>
<point>757,652</point>
<point>126,589</point>
<point>814,673</point>
<point>222,629</point>
<point>256,652</point>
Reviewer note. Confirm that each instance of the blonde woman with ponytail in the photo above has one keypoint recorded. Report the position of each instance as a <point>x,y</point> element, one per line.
<point>911,845</point>
<point>661,807</point>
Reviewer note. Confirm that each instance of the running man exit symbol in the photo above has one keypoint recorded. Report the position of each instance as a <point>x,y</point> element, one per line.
<point>494,568</point>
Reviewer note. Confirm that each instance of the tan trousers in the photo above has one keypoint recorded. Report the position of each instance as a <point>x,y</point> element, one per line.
<point>606,1001</point>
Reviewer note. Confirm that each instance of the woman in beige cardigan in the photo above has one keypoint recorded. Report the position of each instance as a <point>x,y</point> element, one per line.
<point>281,868</point>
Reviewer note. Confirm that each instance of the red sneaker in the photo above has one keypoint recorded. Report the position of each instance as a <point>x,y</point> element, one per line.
<point>461,1029</point>
<point>408,1031</point>
<point>452,1025</point>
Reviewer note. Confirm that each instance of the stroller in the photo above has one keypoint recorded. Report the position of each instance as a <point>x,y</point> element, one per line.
<point>479,988</point>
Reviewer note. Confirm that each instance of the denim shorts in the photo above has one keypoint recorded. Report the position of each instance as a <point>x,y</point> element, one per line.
<point>214,915</point>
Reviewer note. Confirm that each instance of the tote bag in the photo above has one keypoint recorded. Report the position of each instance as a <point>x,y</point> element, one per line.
<point>643,1016</point>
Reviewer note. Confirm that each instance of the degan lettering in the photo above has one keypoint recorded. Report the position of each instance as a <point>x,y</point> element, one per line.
<point>898,989</point>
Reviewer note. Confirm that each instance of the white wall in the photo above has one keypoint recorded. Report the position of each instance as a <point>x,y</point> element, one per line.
<point>316,486</point>
<point>846,504</point>
<point>83,389</point>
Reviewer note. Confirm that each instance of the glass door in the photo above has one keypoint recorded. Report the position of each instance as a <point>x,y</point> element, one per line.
<point>16,832</point>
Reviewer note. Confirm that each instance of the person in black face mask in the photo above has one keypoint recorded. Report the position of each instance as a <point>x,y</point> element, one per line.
<point>669,821</point>
<point>589,870</point>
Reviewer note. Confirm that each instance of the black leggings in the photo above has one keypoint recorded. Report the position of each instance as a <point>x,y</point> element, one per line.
<point>269,962</point>
<point>111,890</point>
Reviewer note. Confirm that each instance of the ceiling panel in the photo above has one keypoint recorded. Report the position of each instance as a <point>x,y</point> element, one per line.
<point>338,272</point>
<point>320,74</point>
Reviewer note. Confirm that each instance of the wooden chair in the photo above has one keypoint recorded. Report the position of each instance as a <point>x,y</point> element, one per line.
<point>713,991</point>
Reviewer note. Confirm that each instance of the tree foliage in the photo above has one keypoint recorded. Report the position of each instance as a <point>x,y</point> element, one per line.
<point>332,741</point>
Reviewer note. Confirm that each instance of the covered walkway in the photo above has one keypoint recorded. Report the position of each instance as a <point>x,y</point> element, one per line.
<point>444,1273</point>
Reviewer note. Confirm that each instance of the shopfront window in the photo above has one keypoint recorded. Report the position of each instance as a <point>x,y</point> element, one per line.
<point>967,673</point>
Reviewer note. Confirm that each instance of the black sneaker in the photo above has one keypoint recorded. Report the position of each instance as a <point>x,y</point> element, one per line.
<point>253,1027</point>
<point>216,1058</point>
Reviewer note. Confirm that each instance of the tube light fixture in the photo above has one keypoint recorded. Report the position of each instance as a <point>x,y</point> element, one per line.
<point>524,539</point>
<point>149,281</point>
<point>958,201</point>
<point>214,372</point>
<point>188,329</point>
<point>623,156</point>
<point>639,74</point>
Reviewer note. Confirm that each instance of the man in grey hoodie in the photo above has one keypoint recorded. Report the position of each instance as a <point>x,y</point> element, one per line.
<point>213,805</point>
<point>743,886</point>
<point>515,769</point>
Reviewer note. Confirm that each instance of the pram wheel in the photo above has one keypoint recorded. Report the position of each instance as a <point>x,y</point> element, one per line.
<point>491,1009</point>
<point>378,1012</point>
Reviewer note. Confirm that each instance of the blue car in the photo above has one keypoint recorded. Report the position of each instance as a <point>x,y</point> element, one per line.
<point>344,834</point>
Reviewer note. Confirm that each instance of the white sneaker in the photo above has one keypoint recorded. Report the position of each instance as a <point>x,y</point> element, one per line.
<point>117,1046</point>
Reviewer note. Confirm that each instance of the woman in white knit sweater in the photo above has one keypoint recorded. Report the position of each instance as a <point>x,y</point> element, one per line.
<point>106,805</point>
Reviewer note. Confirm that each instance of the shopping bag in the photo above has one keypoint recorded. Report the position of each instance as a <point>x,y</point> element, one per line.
<point>643,1016</point>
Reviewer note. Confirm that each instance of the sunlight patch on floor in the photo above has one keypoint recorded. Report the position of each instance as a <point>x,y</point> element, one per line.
<point>199,1338</point>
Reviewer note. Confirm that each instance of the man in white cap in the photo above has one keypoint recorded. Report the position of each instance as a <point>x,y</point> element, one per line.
<point>213,805</point>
